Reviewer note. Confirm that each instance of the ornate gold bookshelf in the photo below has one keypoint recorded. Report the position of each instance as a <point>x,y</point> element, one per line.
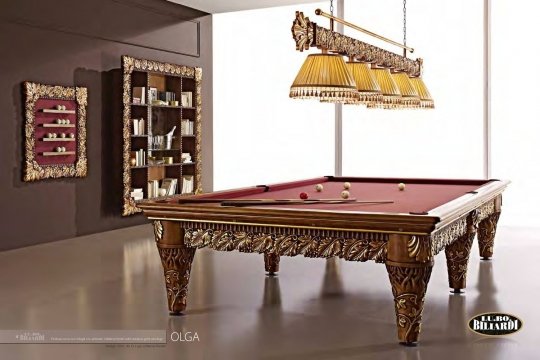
<point>158,120</point>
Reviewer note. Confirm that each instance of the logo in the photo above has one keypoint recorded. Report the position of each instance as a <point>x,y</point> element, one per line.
<point>495,324</point>
<point>186,336</point>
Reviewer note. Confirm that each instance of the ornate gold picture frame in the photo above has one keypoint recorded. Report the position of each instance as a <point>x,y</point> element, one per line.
<point>55,131</point>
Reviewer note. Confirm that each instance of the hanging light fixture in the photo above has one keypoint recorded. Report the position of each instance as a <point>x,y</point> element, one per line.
<point>426,101</point>
<point>394,83</point>
<point>324,77</point>
<point>421,98</point>
<point>409,95</point>
<point>391,96</point>
<point>367,86</point>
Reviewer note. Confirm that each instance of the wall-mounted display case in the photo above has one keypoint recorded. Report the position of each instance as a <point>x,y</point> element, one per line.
<point>161,130</point>
<point>55,131</point>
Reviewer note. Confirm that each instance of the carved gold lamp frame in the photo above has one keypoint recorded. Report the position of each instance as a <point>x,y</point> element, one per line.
<point>33,92</point>
<point>308,34</point>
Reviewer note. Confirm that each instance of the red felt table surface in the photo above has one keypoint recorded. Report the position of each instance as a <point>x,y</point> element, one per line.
<point>419,196</point>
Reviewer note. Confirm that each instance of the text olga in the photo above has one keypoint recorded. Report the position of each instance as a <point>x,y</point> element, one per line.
<point>187,336</point>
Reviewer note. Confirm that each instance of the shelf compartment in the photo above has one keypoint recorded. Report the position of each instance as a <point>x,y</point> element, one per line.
<point>54,111</point>
<point>166,107</point>
<point>158,165</point>
<point>59,125</point>
<point>54,153</point>
<point>58,139</point>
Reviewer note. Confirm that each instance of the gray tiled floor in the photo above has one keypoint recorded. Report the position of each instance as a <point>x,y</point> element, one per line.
<point>314,310</point>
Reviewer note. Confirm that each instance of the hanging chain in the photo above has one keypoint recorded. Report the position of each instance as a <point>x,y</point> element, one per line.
<point>405,22</point>
<point>332,7</point>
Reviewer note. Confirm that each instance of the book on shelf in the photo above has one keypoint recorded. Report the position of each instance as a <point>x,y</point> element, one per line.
<point>167,96</point>
<point>186,127</point>
<point>153,95</point>
<point>187,184</point>
<point>139,95</point>
<point>140,157</point>
<point>169,185</point>
<point>137,194</point>
<point>153,189</point>
<point>142,125</point>
<point>135,126</point>
<point>187,98</point>
<point>139,126</point>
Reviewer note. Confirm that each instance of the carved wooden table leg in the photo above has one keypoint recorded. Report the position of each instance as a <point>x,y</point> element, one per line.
<point>457,255</point>
<point>487,229</point>
<point>271,263</point>
<point>409,266</point>
<point>176,259</point>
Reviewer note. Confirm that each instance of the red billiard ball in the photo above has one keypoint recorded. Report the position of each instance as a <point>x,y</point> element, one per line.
<point>303,196</point>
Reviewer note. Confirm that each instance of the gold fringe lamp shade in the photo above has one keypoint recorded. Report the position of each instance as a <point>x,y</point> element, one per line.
<point>391,96</point>
<point>324,77</point>
<point>409,96</point>
<point>366,84</point>
<point>426,101</point>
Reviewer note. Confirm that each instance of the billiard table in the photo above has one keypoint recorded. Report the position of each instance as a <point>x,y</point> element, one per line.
<point>402,228</point>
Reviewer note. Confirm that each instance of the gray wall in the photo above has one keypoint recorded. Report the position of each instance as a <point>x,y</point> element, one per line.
<point>66,42</point>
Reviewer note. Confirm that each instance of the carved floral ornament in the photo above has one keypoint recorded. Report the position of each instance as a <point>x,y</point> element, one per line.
<point>352,246</point>
<point>32,169</point>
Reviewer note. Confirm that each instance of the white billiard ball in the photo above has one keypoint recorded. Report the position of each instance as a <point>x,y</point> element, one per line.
<point>345,194</point>
<point>401,186</point>
<point>63,135</point>
<point>67,121</point>
<point>319,187</point>
<point>72,135</point>
<point>58,149</point>
<point>347,185</point>
<point>58,107</point>
<point>54,135</point>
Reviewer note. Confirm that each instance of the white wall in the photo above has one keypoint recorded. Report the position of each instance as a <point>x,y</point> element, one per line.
<point>515,113</point>
<point>260,135</point>
<point>445,142</point>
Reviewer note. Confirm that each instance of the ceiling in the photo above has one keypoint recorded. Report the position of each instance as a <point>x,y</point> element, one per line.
<point>220,6</point>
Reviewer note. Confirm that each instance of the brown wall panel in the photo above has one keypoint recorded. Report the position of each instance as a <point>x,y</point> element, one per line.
<point>66,43</point>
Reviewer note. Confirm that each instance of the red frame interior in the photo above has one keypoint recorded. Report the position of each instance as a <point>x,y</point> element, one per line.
<point>40,132</point>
